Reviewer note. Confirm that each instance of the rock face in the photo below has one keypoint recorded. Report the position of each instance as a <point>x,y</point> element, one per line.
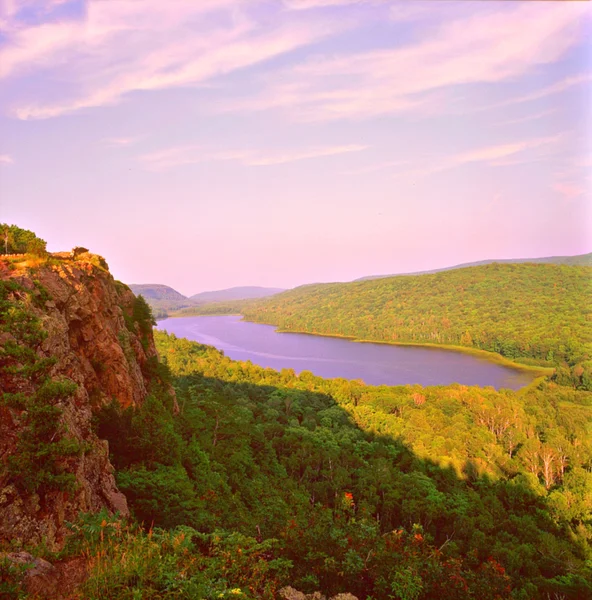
<point>91,339</point>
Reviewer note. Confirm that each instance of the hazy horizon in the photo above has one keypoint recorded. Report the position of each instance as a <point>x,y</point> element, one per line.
<point>189,294</point>
<point>280,143</point>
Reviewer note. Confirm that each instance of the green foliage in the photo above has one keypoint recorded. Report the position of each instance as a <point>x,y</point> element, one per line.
<point>129,563</point>
<point>11,576</point>
<point>40,463</point>
<point>535,314</point>
<point>142,314</point>
<point>445,492</point>
<point>14,240</point>
<point>228,307</point>
<point>140,319</point>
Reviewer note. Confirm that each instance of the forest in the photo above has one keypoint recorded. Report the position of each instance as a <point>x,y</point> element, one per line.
<point>248,482</point>
<point>534,314</point>
<point>264,479</point>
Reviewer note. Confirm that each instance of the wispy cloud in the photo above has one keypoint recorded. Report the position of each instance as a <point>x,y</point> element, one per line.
<point>186,155</point>
<point>6,159</point>
<point>527,118</point>
<point>121,141</point>
<point>494,153</point>
<point>308,4</point>
<point>491,46</point>
<point>388,165</point>
<point>123,46</point>
<point>555,88</point>
<point>569,190</point>
<point>517,152</point>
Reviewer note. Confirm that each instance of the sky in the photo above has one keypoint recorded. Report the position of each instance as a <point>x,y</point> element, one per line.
<point>219,143</point>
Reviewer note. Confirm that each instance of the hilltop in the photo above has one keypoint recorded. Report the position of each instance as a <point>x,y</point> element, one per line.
<point>236,293</point>
<point>157,291</point>
<point>582,260</point>
<point>161,298</point>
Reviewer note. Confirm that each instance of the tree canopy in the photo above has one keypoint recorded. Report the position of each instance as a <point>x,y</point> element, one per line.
<point>15,240</point>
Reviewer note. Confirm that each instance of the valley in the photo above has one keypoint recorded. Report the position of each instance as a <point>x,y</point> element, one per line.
<point>269,481</point>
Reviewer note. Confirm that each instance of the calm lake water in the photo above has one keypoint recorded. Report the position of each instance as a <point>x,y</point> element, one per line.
<point>375,364</point>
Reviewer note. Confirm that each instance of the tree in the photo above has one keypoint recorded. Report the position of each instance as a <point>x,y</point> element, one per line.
<point>20,241</point>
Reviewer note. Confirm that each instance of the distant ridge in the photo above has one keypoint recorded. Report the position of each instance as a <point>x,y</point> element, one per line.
<point>161,298</point>
<point>156,291</point>
<point>164,299</point>
<point>584,260</point>
<point>235,293</point>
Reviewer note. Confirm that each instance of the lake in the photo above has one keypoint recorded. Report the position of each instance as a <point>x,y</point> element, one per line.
<point>327,357</point>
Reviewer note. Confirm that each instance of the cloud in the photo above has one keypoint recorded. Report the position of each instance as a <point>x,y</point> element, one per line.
<point>556,88</point>
<point>118,47</point>
<point>493,153</point>
<point>6,159</point>
<point>533,117</point>
<point>492,156</point>
<point>308,4</point>
<point>292,157</point>
<point>568,190</point>
<point>122,141</point>
<point>494,45</point>
<point>392,164</point>
<point>122,46</point>
<point>186,155</point>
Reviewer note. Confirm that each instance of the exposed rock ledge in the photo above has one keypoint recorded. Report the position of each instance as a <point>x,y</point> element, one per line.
<point>88,317</point>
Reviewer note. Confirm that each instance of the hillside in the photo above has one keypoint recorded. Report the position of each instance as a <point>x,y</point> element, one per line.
<point>156,291</point>
<point>252,483</point>
<point>235,293</point>
<point>582,260</point>
<point>161,298</point>
<point>537,314</point>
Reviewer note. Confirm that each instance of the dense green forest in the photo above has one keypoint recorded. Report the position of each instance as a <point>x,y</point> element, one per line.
<point>264,478</point>
<point>233,307</point>
<point>533,314</point>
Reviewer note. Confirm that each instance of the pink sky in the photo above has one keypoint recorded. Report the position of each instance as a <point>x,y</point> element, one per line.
<point>218,143</point>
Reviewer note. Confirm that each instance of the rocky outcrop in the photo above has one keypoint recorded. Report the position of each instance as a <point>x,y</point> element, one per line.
<point>44,580</point>
<point>290,593</point>
<point>89,335</point>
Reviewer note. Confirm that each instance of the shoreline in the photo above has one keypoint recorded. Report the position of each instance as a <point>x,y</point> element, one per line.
<point>491,357</point>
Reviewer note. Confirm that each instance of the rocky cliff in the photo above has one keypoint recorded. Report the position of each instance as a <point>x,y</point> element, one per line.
<point>72,339</point>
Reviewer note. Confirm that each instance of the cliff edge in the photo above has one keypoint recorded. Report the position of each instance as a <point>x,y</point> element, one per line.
<point>72,339</point>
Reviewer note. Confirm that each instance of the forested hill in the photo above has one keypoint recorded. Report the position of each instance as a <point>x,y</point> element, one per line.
<point>537,314</point>
<point>582,260</point>
<point>161,298</point>
<point>157,291</point>
<point>236,293</point>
